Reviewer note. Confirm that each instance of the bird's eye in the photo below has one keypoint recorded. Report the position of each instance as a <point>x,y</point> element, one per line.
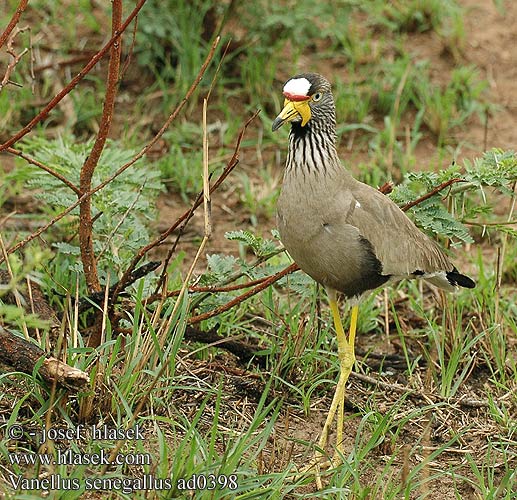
<point>317,96</point>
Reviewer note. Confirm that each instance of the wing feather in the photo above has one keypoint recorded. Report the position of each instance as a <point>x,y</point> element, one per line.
<point>402,248</point>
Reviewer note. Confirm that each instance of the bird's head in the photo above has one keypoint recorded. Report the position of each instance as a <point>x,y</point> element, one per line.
<point>305,95</point>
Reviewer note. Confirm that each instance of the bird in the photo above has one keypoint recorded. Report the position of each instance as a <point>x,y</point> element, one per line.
<point>346,235</point>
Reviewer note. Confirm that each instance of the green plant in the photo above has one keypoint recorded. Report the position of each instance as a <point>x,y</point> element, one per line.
<point>448,107</point>
<point>121,208</point>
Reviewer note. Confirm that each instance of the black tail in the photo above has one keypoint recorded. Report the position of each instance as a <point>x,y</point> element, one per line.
<point>457,279</point>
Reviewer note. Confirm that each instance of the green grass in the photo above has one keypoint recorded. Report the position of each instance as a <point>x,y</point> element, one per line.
<point>449,420</point>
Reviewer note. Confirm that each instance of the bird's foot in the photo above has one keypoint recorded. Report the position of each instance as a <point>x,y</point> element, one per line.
<point>320,462</point>
<point>314,467</point>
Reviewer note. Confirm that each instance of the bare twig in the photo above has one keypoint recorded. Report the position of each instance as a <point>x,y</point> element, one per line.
<point>15,57</point>
<point>431,193</point>
<point>207,202</point>
<point>208,224</point>
<point>38,164</point>
<point>14,21</point>
<point>206,289</point>
<point>241,298</point>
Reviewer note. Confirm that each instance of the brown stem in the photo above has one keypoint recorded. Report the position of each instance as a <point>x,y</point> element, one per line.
<point>38,164</point>
<point>15,58</point>
<point>241,298</point>
<point>206,289</point>
<point>88,168</point>
<point>431,193</point>
<point>66,90</point>
<point>14,21</point>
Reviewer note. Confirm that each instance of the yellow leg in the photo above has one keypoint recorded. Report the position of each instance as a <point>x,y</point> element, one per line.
<point>346,362</point>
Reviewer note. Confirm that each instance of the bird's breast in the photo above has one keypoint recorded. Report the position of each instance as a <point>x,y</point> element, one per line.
<point>321,241</point>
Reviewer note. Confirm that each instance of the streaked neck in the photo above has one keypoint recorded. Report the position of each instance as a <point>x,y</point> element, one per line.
<point>312,149</point>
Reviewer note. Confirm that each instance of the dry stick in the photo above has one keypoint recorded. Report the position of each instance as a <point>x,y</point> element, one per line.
<point>66,90</point>
<point>124,167</point>
<point>14,21</point>
<point>172,249</point>
<point>15,58</point>
<point>431,193</point>
<point>38,164</point>
<point>207,203</point>
<point>206,236</point>
<point>206,289</point>
<point>185,218</point>
<point>241,298</point>
<point>85,183</point>
<point>187,215</point>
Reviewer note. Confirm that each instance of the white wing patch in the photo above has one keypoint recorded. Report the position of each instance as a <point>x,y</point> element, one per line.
<point>297,86</point>
<point>357,204</point>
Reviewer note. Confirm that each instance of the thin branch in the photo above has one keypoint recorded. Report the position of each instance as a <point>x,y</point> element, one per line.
<point>14,21</point>
<point>15,58</point>
<point>431,193</point>
<point>489,224</point>
<point>241,298</point>
<point>38,164</point>
<point>206,289</point>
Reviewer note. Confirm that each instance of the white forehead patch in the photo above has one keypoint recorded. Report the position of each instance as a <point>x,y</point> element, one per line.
<point>297,86</point>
